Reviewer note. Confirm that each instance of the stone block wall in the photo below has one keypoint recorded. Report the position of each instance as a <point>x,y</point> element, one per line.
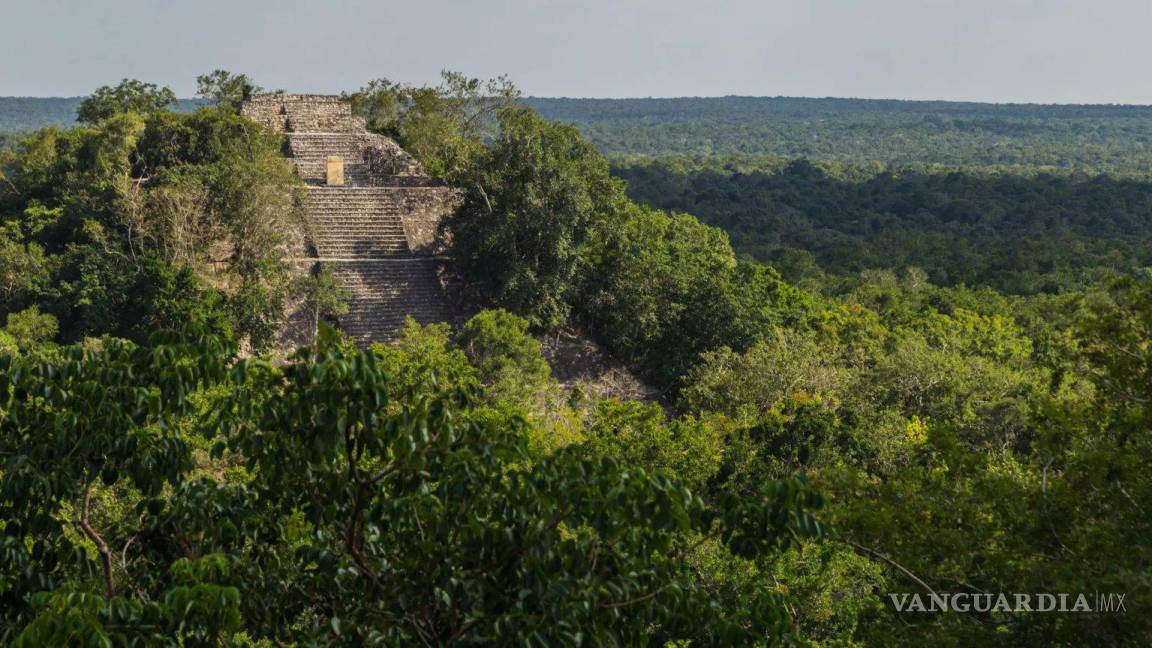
<point>422,214</point>
<point>385,159</point>
<point>302,113</point>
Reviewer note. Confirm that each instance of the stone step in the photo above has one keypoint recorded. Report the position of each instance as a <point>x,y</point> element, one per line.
<point>352,206</point>
<point>359,212</point>
<point>398,241</point>
<point>356,211</point>
<point>353,234</point>
<point>356,249</point>
<point>358,227</point>
<point>347,145</point>
<point>378,221</point>
<point>384,293</point>
<point>359,235</point>
<point>352,230</point>
<point>319,169</point>
<point>372,190</point>
<point>362,212</point>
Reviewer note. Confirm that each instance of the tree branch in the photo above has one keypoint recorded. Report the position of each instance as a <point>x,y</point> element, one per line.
<point>868,551</point>
<point>98,540</point>
<point>638,599</point>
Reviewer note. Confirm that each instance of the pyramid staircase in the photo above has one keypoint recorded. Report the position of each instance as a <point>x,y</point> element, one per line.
<point>377,230</point>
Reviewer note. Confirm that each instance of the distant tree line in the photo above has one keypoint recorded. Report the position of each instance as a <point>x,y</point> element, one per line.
<point>1096,138</point>
<point>1090,138</point>
<point>1019,230</point>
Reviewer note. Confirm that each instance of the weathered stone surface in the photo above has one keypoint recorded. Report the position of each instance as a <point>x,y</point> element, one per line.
<point>335,171</point>
<point>376,213</point>
<point>302,113</point>
<point>369,159</point>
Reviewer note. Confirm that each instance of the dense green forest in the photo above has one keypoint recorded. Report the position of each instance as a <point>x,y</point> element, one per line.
<point>858,427</point>
<point>1113,138</point>
<point>1020,231</point>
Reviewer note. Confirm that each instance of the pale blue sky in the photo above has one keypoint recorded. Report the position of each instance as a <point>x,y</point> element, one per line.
<point>1093,51</point>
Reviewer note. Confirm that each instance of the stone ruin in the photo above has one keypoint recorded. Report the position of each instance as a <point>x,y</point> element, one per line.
<point>375,213</point>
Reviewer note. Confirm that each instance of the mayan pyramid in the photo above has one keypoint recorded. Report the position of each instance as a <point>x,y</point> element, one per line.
<point>374,212</point>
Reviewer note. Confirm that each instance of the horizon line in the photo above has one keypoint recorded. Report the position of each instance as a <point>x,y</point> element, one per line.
<point>730,96</point>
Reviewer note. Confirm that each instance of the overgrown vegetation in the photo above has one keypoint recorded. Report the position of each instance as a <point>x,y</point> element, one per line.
<point>146,221</point>
<point>445,489</point>
<point>929,415</point>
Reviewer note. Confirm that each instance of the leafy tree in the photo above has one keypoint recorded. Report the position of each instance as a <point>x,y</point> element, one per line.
<point>224,88</point>
<point>491,349</point>
<point>497,343</point>
<point>129,96</point>
<point>99,210</point>
<point>527,226</point>
<point>164,297</point>
<point>748,386</point>
<point>638,434</point>
<point>669,288</point>
<point>445,126</point>
<point>92,418</point>
<point>23,269</point>
<point>30,327</point>
<point>340,504</point>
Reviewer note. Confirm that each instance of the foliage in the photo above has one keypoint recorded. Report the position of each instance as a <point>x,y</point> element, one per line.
<point>527,226</point>
<point>506,357</point>
<point>1079,137</point>
<point>639,435</point>
<point>492,349</point>
<point>29,328</point>
<point>362,509</point>
<point>961,450</point>
<point>446,126</point>
<point>1019,231</point>
<point>146,221</point>
<point>129,96</point>
<point>9,140</point>
<point>323,294</point>
<point>669,288</point>
<point>224,88</point>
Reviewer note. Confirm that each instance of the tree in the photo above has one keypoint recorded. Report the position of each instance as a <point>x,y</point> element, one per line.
<point>446,126</point>
<point>30,327</point>
<point>540,198</point>
<point>497,343</point>
<point>129,95</point>
<point>23,269</point>
<point>224,88</point>
<point>638,434</point>
<point>325,500</point>
<point>91,418</point>
<point>96,211</point>
<point>324,295</point>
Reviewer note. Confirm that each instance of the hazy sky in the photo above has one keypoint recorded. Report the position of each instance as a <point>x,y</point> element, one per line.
<point>1092,51</point>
